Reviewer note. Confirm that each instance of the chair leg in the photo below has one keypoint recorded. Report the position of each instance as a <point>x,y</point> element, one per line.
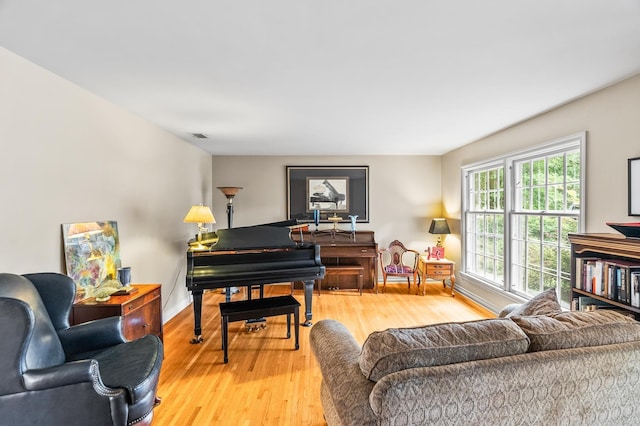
<point>408,285</point>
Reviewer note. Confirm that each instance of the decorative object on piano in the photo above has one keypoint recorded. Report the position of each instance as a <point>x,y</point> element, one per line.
<point>328,189</point>
<point>354,218</point>
<point>316,217</point>
<point>634,186</point>
<point>199,214</point>
<point>334,231</point>
<point>92,253</point>
<point>335,219</point>
<point>440,227</point>
<point>229,192</point>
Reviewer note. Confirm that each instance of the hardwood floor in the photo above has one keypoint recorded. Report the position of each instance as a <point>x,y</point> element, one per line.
<point>266,382</point>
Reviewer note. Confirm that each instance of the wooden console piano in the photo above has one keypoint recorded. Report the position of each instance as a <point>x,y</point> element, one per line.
<point>344,248</point>
<point>249,256</point>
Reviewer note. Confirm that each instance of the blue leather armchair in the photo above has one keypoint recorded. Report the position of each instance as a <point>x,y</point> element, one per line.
<point>56,374</point>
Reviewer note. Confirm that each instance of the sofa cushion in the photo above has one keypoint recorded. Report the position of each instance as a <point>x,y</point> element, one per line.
<point>542,304</point>
<point>578,329</point>
<point>397,349</point>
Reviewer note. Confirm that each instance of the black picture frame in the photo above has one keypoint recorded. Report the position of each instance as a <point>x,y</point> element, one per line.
<point>634,186</point>
<point>341,191</point>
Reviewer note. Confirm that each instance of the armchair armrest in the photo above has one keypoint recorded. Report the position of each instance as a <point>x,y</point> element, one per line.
<point>61,375</point>
<point>416,256</point>
<point>91,336</point>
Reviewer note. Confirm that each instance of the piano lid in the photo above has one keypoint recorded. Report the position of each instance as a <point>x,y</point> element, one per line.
<point>253,237</point>
<point>210,239</point>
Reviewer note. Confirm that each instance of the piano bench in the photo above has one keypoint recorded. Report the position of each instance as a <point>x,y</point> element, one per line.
<point>357,270</point>
<point>258,308</point>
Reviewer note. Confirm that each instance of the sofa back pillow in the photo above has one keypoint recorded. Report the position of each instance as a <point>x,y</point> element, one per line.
<point>543,303</point>
<point>577,329</point>
<point>397,349</point>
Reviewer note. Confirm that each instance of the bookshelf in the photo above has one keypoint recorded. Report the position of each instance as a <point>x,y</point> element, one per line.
<point>604,267</point>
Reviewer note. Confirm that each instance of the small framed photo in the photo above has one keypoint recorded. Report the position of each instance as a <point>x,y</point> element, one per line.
<point>436,253</point>
<point>634,186</point>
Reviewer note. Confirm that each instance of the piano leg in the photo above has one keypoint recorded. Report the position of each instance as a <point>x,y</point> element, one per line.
<point>197,316</point>
<point>308,296</point>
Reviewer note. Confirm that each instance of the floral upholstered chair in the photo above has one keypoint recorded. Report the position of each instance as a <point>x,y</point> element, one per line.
<point>399,261</point>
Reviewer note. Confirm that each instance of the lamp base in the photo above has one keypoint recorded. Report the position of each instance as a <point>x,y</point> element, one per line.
<point>198,247</point>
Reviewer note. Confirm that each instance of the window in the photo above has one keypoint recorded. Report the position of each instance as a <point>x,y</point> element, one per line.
<point>518,211</point>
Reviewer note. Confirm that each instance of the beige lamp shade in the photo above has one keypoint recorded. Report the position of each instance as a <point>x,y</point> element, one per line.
<point>229,191</point>
<point>199,214</point>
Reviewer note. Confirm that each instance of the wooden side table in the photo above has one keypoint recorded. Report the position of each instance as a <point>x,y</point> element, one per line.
<point>141,311</point>
<point>437,270</point>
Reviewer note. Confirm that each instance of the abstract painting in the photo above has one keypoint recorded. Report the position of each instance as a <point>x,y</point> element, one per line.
<point>92,252</point>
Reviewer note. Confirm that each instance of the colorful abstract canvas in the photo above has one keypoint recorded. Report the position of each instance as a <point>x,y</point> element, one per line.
<point>92,252</point>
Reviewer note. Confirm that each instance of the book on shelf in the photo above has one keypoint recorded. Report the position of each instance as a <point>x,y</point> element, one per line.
<point>586,273</point>
<point>622,288</point>
<point>635,288</point>
<point>614,279</point>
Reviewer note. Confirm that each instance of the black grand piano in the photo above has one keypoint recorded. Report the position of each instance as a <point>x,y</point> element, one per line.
<point>250,256</point>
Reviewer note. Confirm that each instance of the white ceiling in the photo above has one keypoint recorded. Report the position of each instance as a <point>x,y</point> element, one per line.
<point>330,77</point>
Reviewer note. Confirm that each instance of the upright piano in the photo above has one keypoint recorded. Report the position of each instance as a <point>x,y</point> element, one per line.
<point>346,248</point>
<point>248,256</point>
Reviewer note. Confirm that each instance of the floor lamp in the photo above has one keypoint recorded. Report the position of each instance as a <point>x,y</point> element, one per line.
<point>230,192</point>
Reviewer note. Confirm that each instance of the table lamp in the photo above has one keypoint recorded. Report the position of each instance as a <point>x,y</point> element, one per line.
<point>199,214</point>
<point>441,227</point>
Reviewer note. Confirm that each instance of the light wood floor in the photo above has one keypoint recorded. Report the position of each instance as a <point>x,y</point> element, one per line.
<point>266,382</point>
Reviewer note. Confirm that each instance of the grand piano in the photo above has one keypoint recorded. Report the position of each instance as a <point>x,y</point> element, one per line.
<point>250,256</point>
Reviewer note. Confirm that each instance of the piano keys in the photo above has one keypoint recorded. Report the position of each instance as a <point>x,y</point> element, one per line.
<point>248,256</point>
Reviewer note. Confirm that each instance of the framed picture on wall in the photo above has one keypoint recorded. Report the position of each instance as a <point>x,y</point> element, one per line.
<point>339,191</point>
<point>634,186</point>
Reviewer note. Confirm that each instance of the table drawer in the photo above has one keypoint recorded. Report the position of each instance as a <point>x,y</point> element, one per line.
<point>141,301</point>
<point>438,269</point>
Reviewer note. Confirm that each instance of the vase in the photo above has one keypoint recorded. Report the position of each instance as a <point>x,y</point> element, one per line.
<point>353,222</point>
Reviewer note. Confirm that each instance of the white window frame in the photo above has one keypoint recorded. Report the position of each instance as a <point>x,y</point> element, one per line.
<point>567,143</point>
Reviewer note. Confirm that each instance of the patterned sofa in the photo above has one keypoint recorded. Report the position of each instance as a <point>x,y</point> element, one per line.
<point>534,365</point>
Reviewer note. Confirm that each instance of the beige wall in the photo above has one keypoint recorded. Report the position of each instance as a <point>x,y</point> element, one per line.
<point>70,156</point>
<point>611,118</point>
<point>404,192</point>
